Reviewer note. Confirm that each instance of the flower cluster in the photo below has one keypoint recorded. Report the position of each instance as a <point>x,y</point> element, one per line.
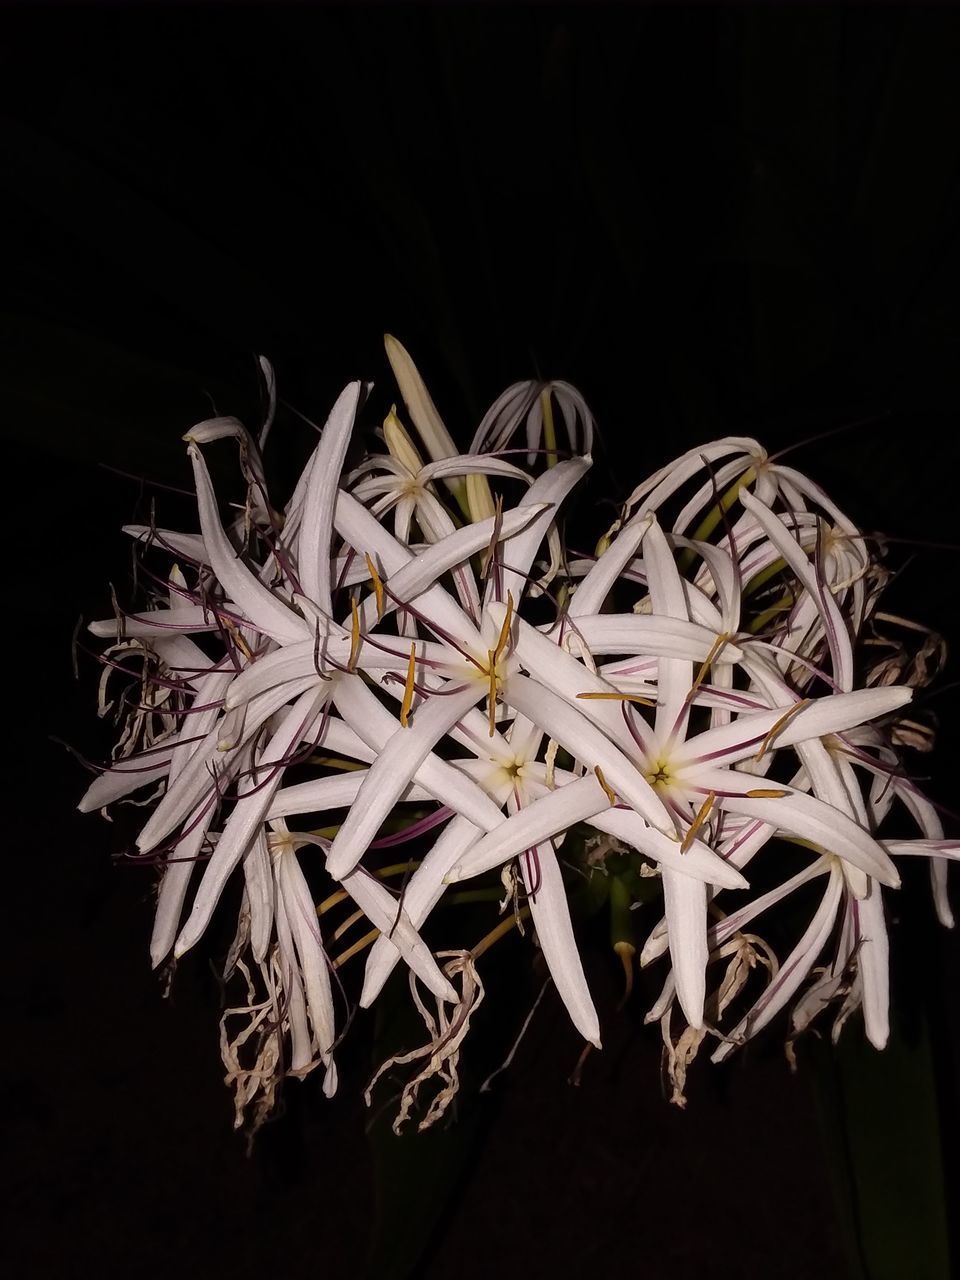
<point>406,651</point>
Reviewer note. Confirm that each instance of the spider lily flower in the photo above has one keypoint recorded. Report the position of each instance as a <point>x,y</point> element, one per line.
<point>531,404</point>
<point>473,497</point>
<point>698,728</point>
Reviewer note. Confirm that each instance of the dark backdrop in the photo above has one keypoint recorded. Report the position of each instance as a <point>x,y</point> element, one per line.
<point>712,220</point>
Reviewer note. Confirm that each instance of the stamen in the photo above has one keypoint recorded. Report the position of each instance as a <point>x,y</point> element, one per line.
<point>618,697</point>
<point>354,635</point>
<point>784,719</point>
<point>702,815</point>
<point>492,694</point>
<point>377,585</point>
<point>491,551</point>
<point>504,630</point>
<point>610,793</point>
<point>408,687</point>
<point>316,654</point>
<point>355,950</point>
<point>715,650</point>
<point>766,793</point>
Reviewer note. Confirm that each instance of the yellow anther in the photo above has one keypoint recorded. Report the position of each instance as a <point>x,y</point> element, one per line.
<point>787,715</point>
<point>492,694</point>
<point>702,815</point>
<point>354,635</point>
<point>768,793</point>
<point>618,697</point>
<point>377,586</point>
<point>408,687</point>
<point>611,794</point>
<point>238,639</point>
<point>715,649</point>
<point>504,631</point>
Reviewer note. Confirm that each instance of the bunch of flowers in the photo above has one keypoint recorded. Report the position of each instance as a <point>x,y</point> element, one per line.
<point>407,651</point>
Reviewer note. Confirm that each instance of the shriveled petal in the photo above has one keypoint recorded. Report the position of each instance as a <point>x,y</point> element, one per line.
<point>793,970</point>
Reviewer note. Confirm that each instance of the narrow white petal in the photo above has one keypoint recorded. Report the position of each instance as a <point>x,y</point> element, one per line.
<point>364,532</point>
<point>422,571</point>
<point>423,891</point>
<point>385,913</point>
<point>586,743</point>
<point>600,581</point>
<point>263,609</point>
<point>674,675</point>
<point>550,913</point>
<point>442,780</point>
<point>316,529</point>
<point>320,794</point>
<point>123,778</point>
<point>247,816</point>
<point>826,827</point>
<point>644,633</point>
<point>831,714</point>
<point>261,888</point>
<point>552,666</point>
<point>190,545</point>
<point>173,888</point>
<point>873,963</point>
<point>302,915</point>
<point>838,637</point>
<point>685,900</point>
<point>157,622</point>
<point>393,771</point>
<point>549,815</point>
<point>550,488</point>
<point>197,777</point>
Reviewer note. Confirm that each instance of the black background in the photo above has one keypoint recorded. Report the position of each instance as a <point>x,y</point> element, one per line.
<point>712,220</point>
